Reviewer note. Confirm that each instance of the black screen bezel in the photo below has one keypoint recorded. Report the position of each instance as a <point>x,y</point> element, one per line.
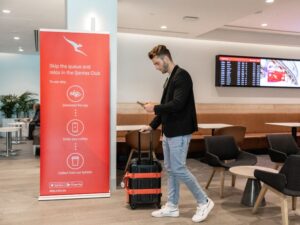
<point>218,71</point>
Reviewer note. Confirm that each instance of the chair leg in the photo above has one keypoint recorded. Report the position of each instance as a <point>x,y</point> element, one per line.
<point>259,198</point>
<point>222,173</point>
<point>129,159</point>
<point>210,179</point>
<point>294,203</point>
<point>233,180</point>
<point>284,211</point>
<point>154,156</point>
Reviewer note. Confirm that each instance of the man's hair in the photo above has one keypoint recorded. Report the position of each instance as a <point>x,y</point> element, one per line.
<point>36,106</point>
<point>160,50</point>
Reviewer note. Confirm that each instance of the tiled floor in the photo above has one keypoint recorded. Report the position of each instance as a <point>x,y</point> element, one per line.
<point>19,189</point>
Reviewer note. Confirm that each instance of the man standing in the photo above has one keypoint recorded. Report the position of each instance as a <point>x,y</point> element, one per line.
<point>177,115</point>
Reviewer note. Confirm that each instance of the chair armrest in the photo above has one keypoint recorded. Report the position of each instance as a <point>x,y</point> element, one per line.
<point>213,160</point>
<point>277,156</point>
<point>275,180</point>
<point>248,157</point>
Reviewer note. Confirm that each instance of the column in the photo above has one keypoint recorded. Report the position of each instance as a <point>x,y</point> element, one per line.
<point>100,16</point>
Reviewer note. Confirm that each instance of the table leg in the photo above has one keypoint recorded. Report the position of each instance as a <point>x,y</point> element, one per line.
<point>294,133</point>
<point>9,141</point>
<point>251,192</point>
<point>17,137</point>
<point>9,149</point>
<point>21,136</point>
<point>7,145</point>
<point>212,132</point>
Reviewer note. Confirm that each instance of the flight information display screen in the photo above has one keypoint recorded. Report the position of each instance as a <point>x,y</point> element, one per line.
<point>242,71</point>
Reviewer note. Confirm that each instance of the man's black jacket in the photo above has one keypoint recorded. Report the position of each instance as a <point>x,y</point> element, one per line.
<point>176,111</point>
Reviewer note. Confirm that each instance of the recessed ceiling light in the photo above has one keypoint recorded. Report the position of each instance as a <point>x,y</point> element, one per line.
<point>17,38</point>
<point>163,27</point>
<point>6,11</point>
<point>269,1</point>
<point>264,24</point>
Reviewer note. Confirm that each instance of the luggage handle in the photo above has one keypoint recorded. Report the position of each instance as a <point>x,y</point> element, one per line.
<point>151,146</point>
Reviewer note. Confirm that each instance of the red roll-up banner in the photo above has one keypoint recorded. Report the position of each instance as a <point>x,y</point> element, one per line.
<point>75,101</point>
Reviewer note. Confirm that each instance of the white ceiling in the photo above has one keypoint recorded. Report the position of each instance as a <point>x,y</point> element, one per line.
<point>25,17</point>
<point>226,20</point>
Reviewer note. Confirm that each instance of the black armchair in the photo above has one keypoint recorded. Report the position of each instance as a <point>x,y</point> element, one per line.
<point>223,153</point>
<point>280,147</point>
<point>285,183</point>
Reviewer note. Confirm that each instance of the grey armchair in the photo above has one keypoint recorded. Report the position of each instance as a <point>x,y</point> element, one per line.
<point>280,147</point>
<point>223,153</point>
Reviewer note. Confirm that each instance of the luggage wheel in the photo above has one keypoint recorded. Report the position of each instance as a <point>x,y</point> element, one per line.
<point>122,184</point>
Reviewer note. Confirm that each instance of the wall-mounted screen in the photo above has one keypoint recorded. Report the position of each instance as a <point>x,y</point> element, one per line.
<point>242,71</point>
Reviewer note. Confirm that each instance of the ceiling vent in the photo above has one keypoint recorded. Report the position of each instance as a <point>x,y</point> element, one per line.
<point>190,18</point>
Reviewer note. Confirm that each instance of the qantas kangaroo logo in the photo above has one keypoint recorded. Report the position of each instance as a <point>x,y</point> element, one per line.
<point>76,46</point>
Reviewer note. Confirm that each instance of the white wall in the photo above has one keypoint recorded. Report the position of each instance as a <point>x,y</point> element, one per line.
<point>19,73</point>
<point>138,80</point>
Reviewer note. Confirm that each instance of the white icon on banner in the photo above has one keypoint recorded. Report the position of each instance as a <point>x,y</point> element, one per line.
<point>75,161</point>
<point>75,127</point>
<point>75,93</point>
<point>76,46</point>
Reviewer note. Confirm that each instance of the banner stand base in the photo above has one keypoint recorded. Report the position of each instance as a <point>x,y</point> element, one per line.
<point>61,197</point>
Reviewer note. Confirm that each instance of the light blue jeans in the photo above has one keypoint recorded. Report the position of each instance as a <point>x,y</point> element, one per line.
<point>175,153</point>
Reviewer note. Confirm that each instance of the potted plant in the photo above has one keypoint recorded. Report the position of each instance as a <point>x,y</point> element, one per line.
<point>8,104</point>
<point>25,103</point>
<point>12,105</point>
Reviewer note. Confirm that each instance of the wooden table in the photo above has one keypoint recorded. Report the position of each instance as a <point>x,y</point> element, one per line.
<point>213,126</point>
<point>129,127</point>
<point>253,186</point>
<point>292,125</point>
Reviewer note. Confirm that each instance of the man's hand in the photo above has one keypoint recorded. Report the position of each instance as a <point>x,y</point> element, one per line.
<point>145,129</point>
<point>149,107</point>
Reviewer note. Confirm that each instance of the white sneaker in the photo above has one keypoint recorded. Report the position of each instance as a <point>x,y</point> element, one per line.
<point>203,210</point>
<point>168,210</point>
